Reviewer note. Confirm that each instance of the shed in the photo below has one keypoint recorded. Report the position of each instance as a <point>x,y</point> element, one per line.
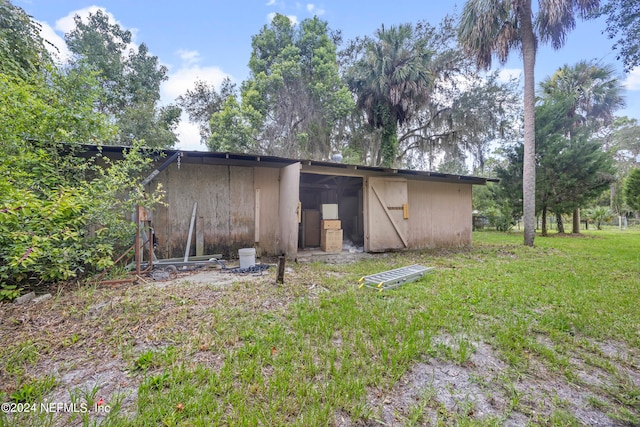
<point>246,200</point>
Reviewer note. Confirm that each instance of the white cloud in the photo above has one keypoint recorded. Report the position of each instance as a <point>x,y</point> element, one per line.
<point>185,77</point>
<point>181,80</point>
<point>60,52</point>
<point>292,18</point>
<point>271,2</point>
<point>66,24</point>
<point>189,57</point>
<point>508,74</point>
<point>188,135</point>
<point>311,8</point>
<point>632,82</point>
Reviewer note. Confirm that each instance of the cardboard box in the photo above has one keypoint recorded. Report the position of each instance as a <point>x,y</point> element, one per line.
<point>331,224</point>
<point>331,240</point>
<point>329,211</point>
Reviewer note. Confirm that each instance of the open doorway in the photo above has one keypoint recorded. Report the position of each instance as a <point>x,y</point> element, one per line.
<point>345,191</point>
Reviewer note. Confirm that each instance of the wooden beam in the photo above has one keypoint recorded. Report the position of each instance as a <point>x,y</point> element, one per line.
<point>200,236</point>
<point>187,248</point>
<point>257,216</point>
<point>281,262</point>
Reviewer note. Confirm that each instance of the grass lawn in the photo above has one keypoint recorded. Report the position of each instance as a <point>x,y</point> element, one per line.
<point>500,334</point>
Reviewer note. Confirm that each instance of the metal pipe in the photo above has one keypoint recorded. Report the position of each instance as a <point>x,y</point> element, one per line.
<point>193,219</point>
<point>161,168</point>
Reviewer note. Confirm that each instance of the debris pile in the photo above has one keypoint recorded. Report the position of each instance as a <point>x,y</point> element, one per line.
<point>256,268</point>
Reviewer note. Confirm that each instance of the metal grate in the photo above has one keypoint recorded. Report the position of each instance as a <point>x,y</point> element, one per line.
<point>394,278</point>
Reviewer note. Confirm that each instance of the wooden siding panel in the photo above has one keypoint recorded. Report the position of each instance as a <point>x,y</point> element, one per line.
<point>225,199</point>
<point>288,209</point>
<point>214,194</point>
<point>387,228</point>
<point>439,214</point>
<point>420,223</point>
<point>267,180</point>
<point>191,183</point>
<point>241,208</point>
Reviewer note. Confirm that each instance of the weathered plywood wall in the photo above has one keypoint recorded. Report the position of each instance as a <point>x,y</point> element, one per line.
<point>439,214</point>
<point>240,206</point>
<point>225,197</point>
<point>267,181</point>
<point>288,209</point>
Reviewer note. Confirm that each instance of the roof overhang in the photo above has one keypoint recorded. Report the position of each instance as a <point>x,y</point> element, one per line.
<point>308,166</point>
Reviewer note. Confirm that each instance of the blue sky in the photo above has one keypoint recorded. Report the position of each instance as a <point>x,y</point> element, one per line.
<point>210,40</point>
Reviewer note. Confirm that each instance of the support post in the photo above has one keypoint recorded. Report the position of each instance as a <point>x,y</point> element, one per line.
<point>281,262</point>
<point>151,255</point>
<point>138,243</point>
<point>200,236</point>
<point>193,220</point>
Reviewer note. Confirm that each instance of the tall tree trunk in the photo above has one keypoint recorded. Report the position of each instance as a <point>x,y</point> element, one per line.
<point>612,203</point>
<point>560,223</point>
<point>544,220</point>
<point>576,221</point>
<point>389,146</point>
<point>529,168</point>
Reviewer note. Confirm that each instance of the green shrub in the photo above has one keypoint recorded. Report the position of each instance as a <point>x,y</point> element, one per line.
<point>599,215</point>
<point>632,190</point>
<point>55,227</point>
<point>500,217</point>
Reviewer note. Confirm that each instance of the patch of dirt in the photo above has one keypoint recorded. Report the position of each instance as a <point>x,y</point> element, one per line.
<point>68,333</point>
<point>110,381</point>
<point>542,392</point>
<point>214,276</point>
<point>444,387</point>
<point>617,351</point>
<point>343,257</point>
<point>568,235</point>
<point>480,389</point>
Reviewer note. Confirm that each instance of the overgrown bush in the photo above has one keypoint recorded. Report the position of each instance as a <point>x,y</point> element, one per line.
<point>493,203</point>
<point>598,215</point>
<point>59,223</point>
<point>61,216</point>
<point>632,190</point>
<point>500,217</point>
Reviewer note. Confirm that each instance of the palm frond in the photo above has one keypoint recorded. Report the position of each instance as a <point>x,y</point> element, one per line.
<point>556,18</point>
<point>487,28</point>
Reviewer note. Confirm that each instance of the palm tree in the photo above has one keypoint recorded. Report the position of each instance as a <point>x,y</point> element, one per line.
<point>496,27</point>
<point>593,93</point>
<point>392,80</point>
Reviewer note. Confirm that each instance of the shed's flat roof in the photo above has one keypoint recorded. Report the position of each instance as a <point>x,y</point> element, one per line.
<point>309,166</point>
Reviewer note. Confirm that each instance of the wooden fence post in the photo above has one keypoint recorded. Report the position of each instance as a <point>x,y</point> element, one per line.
<point>281,261</point>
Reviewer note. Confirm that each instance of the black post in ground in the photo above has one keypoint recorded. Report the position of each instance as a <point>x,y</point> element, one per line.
<point>280,278</point>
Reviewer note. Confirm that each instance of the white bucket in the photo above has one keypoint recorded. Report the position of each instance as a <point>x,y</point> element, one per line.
<point>247,257</point>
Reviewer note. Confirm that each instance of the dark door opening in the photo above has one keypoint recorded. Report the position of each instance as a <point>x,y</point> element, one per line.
<point>346,192</point>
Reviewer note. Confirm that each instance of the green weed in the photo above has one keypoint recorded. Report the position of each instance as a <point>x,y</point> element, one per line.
<point>301,353</point>
<point>33,391</point>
